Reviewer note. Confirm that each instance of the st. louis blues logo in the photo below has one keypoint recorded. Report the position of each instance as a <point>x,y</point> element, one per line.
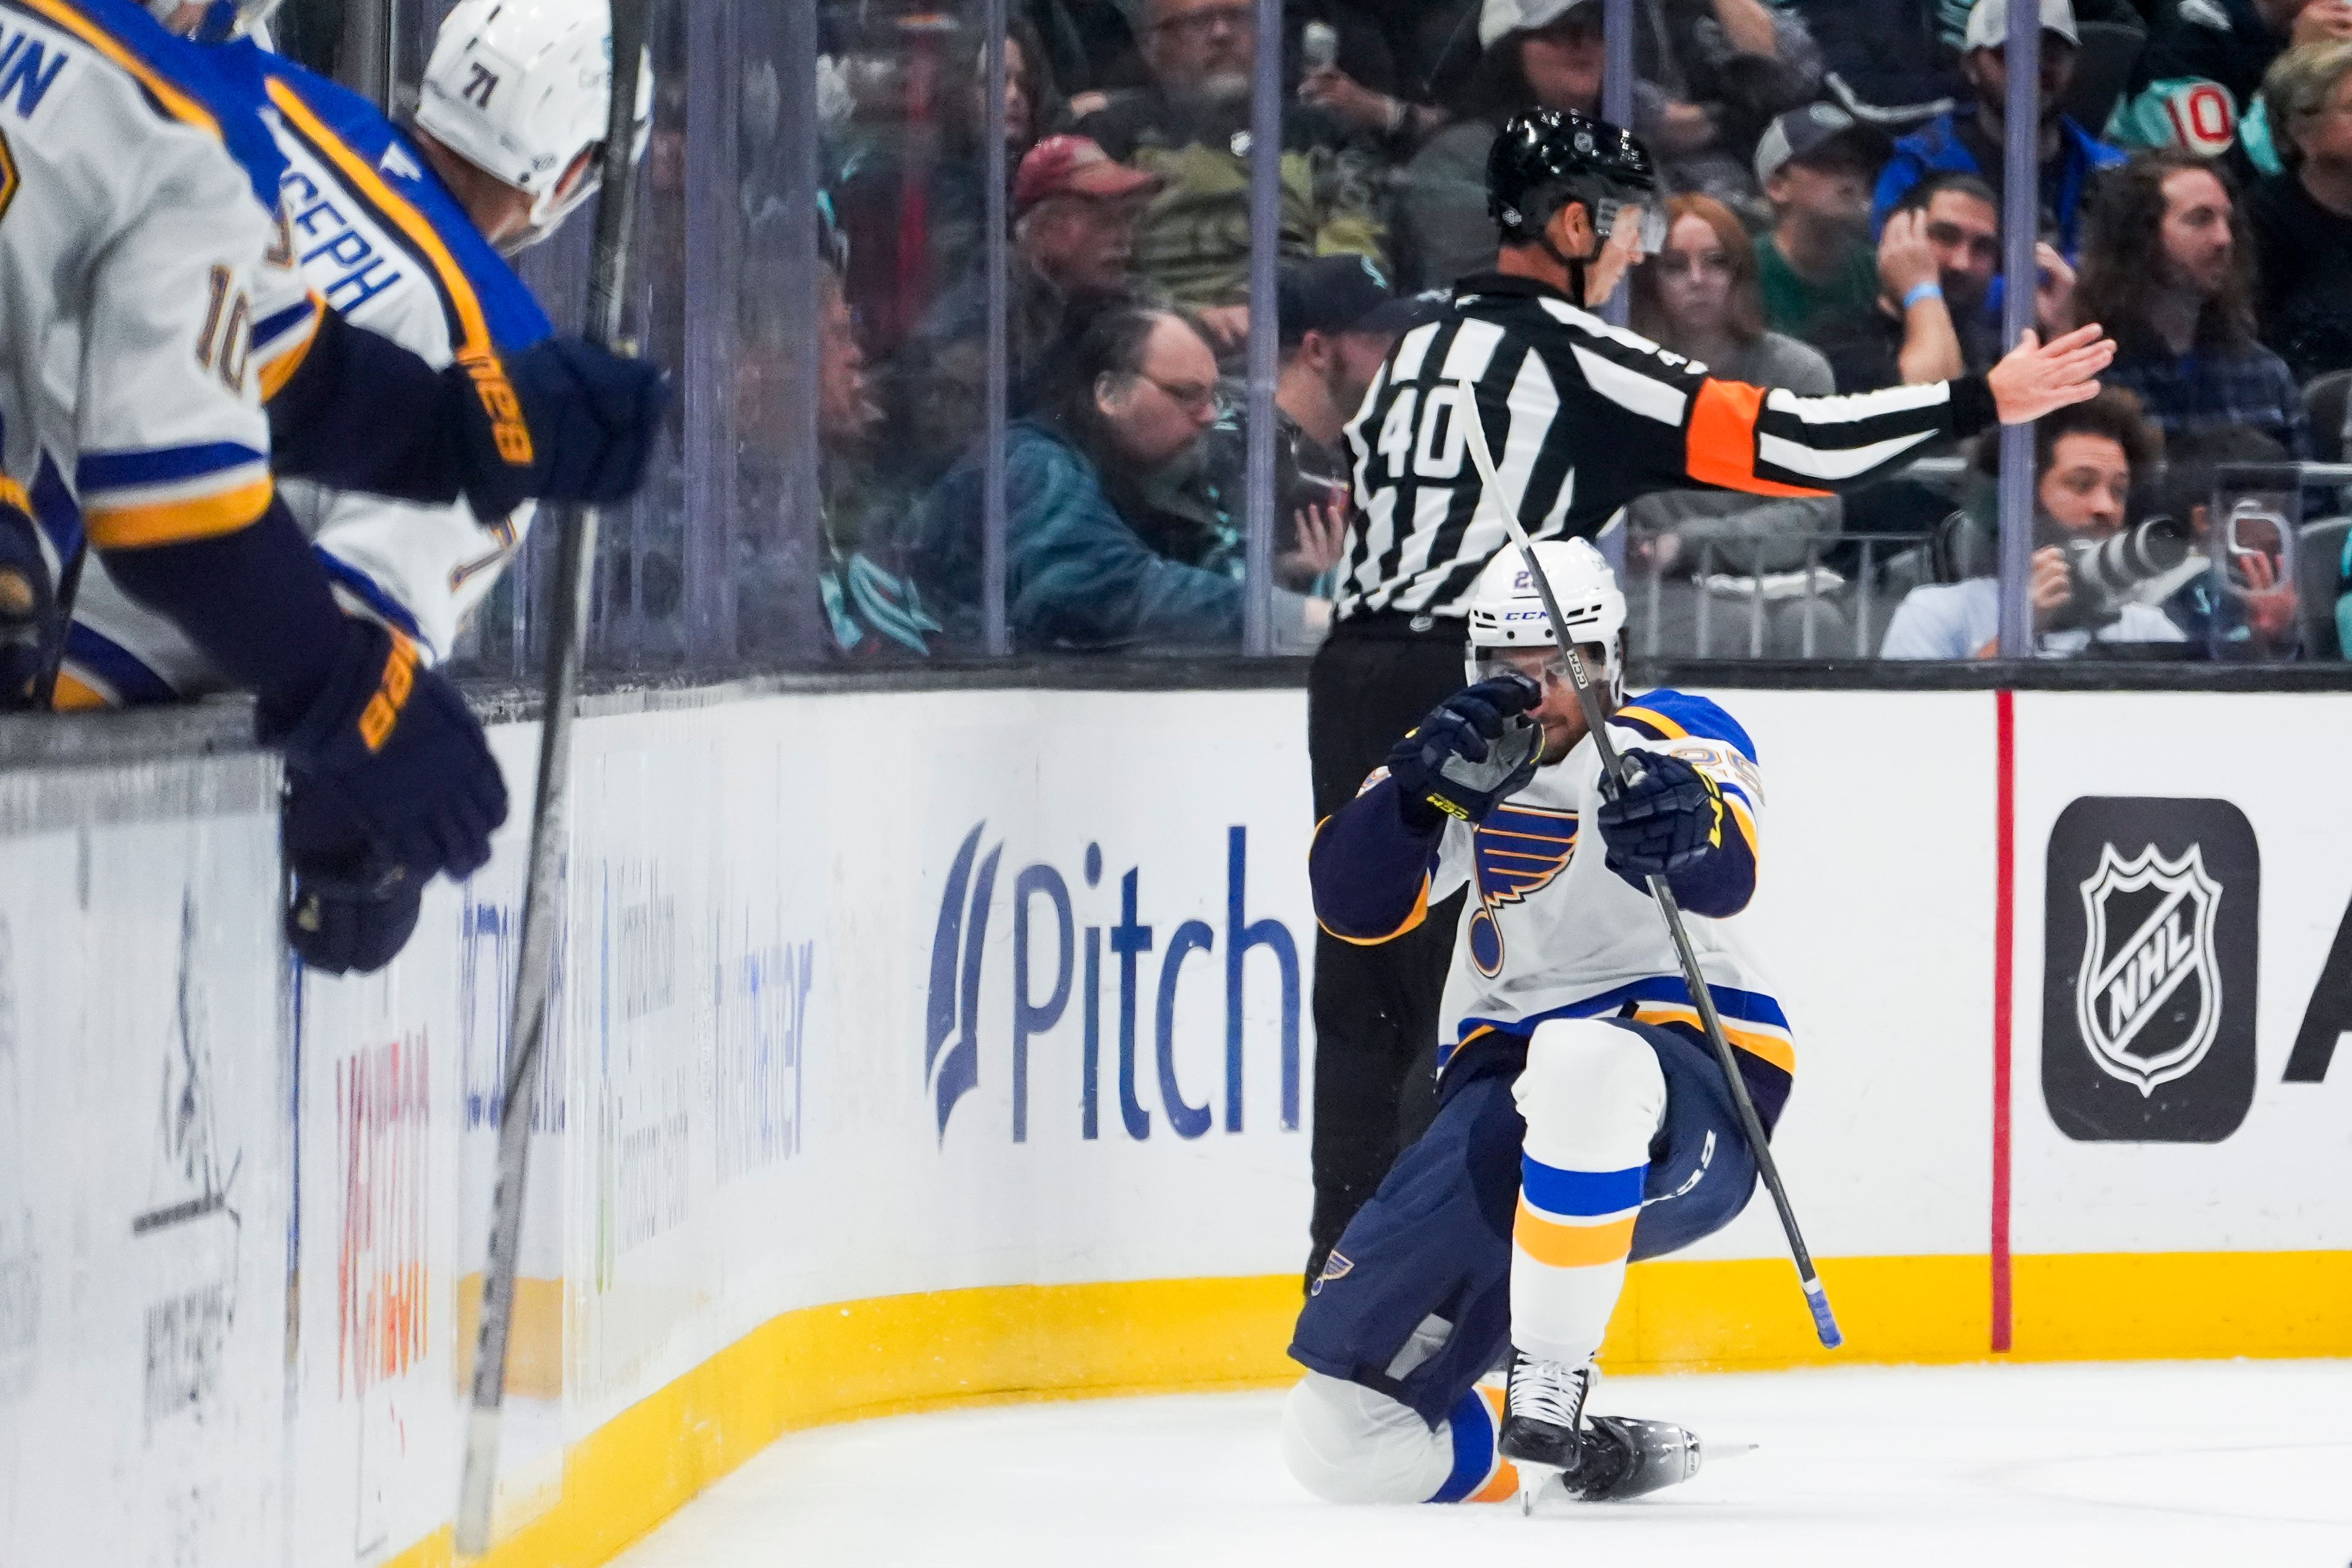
<point>1517,851</point>
<point>2148,995</point>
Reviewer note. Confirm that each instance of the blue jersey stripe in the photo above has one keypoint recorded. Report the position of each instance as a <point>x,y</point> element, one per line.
<point>1697,715</point>
<point>1472,1431</point>
<point>158,465</point>
<point>1580,1194</point>
<point>368,591</point>
<point>134,685</point>
<point>270,328</point>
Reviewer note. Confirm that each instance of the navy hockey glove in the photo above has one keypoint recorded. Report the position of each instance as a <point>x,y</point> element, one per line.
<point>1475,748</point>
<point>27,602</point>
<point>564,420</point>
<point>348,923</point>
<point>388,767</point>
<point>1667,818</point>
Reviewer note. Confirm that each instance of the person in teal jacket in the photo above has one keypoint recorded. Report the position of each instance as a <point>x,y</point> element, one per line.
<point>1087,568</point>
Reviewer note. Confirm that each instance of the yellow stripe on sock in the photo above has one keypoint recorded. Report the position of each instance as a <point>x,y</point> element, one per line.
<point>1571,1246</point>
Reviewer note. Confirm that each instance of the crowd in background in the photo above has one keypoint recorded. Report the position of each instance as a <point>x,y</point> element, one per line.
<point>1834,174</point>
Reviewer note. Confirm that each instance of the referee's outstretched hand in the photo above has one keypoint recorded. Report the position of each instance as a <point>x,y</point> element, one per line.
<point>2037,378</point>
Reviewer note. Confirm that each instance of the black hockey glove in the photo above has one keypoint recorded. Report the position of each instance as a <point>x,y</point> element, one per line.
<point>564,420</point>
<point>1475,748</point>
<point>27,603</point>
<point>350,922</point>
<point>388,768</point>
<point>1667,818</point>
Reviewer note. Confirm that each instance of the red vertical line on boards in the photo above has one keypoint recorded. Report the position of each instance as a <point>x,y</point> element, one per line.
<point>2004,952</point>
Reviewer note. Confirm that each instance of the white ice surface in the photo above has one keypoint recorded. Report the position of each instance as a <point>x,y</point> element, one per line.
<point>2140,1465</point>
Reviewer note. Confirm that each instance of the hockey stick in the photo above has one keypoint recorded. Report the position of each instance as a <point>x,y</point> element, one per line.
<point>542,918</point>
<point>1614,772</point>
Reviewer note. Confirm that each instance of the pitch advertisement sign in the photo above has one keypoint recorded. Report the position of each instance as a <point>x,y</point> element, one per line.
<point>2149,981</point>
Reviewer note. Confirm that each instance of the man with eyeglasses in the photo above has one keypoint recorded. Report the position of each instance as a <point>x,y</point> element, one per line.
<point>1191,127</point>
<point>1093,562</point>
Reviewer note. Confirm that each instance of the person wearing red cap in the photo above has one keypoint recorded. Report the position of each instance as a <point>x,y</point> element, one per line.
<point>1074,214</point>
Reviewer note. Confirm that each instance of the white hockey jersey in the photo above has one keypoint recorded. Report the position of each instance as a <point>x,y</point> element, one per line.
<point>1550,931</point>
<point>377,239</point>
<point>138,253</point>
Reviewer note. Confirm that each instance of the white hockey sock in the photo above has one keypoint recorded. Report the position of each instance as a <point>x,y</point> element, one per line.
<point>1594,1098</point>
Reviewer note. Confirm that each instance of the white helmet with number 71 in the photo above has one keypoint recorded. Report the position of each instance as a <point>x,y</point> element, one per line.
<point>1507,612</point>
<point>521,89</point>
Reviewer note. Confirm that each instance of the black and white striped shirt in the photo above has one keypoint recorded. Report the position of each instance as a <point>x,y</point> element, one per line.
<point>1583,417</point>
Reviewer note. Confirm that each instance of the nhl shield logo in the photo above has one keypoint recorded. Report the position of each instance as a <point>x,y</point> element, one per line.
<point>2147,996</point>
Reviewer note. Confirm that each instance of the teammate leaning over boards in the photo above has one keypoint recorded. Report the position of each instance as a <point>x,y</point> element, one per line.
<point>402,233</point>
<point>137,225</point>
<point>406,261</point>
<point>1583,1119</point>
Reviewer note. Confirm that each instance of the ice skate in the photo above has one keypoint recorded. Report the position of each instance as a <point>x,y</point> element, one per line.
<point>1543,1417</point>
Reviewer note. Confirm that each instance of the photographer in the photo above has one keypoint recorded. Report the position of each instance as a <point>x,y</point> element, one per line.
<point>2085,458</point>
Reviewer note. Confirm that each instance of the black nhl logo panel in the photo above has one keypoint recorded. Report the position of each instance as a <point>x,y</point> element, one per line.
<point>2151,932</point>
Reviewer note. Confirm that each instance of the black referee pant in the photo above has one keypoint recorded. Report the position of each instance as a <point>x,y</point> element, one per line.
<point>1376,1008</point>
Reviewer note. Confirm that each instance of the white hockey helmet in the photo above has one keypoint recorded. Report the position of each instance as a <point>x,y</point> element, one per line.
<point>521,88</point>
<point>1506,610</point>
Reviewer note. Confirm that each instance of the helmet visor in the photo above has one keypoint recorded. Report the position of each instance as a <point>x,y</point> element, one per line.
<point>1608,210</point>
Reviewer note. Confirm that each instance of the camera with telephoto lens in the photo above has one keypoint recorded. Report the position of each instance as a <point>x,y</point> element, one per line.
<point>2106,573</point>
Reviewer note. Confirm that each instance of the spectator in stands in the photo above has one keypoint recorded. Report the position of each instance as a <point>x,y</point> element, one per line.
<point>1549,56</point>
<point>1884,55</point>
<point>1194,245</point>
<point>2168,270</point>
<point>1699,297</point>
<point>911,188</point>
<point>1137,392</point>
<point>2085,458</point>
<point>1937,258</point>
<point>1549,52</point>
<point>2258,614</point>
<point>1815,165</point>
<point>2302,217</point>
<point>1339,323</point>
<point>2193,87</point>
<point>1967,140</point>
<point>1075,215</point>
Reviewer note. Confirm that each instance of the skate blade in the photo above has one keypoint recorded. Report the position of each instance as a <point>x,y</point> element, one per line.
<point>1540,1486</point>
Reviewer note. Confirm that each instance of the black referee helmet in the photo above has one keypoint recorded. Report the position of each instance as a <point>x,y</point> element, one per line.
<point>1544,159</point>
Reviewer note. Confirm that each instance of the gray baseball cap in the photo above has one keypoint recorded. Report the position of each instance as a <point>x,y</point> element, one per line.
<point>1800,133</point>
<point>1498,19</point>
<point>1988,23</point>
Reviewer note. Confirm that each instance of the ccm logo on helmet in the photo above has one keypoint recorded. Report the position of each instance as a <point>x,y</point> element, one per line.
<point>1523,615</point>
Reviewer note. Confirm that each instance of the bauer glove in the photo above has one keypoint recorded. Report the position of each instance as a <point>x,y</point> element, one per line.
<point>562,420</point>
<point>349,921</point>
<point>1668,817</point>
<point>1475,748</point>
<point>388,768</point>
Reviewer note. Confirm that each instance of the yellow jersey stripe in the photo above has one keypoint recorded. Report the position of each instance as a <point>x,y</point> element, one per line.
<point>1655,721</point>
<point>74,695</point>
<point>1747,825</point>
<point>280,370</point>
<point>1772,1048</point>
<point>179,521</point>
<point>396,209</point>
<point>180,106</point>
